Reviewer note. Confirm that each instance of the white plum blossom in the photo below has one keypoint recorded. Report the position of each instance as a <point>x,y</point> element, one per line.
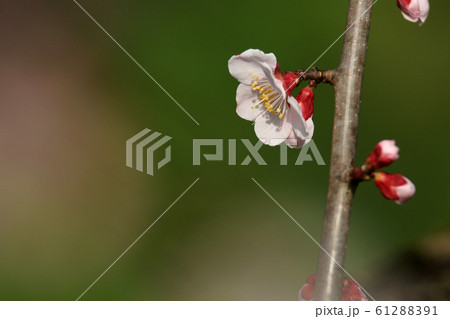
<point>264,96</point>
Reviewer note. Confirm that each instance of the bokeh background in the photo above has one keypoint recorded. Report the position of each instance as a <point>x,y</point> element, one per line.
<point>70,98</point>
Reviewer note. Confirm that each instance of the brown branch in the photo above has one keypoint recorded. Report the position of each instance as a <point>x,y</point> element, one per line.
<point>348,86</point>
<point>325,76</point>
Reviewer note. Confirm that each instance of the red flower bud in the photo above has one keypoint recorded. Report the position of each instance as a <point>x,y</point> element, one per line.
<point>384,154</point>
<point>307,291</point>
<point>350,290</point>
<point>306,98</point>
<point>395,187</point>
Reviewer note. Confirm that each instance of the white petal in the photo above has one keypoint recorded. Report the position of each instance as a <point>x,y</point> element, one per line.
<point>409,18</point>
<point>389,149</point>
<point>424,10</point>
<point>293,141</point>
<point>310,129</point>
<point>246,98</point>
<point>272,130</point>
<point>296,119</point>
<point>250,62</point>
<point>277,85</point>
<point>405,192</point>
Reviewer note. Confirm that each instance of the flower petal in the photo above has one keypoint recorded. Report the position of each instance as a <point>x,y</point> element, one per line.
<point>424,10</point>
<point>296,119</point>
<point>405,192</point>
<point>293,141</point>
<point>272,130</point>
<point>250,62</point>
<point>414,10</point>
<point>246,98</point>
<point>409,18</point>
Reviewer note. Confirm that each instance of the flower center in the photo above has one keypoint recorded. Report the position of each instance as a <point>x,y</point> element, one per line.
<point>272,99</point>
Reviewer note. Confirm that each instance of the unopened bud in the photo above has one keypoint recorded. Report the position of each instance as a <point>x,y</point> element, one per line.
<point>395,187</point>
<point>414,10</point>
<point>306,98</point>
<point>384,154</point>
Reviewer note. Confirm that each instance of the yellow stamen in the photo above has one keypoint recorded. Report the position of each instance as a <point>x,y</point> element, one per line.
<point>266,93</point>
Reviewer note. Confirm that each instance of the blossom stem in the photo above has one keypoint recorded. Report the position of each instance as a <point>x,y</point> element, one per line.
<point>341,188</point>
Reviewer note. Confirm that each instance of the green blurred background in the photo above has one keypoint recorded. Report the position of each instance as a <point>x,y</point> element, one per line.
<point>70,98</point>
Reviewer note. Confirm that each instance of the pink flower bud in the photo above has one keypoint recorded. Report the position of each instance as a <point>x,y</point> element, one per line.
<point>395,187</point>
<point>350,290</point>
<point>384,154</point>
<point>414,10</point>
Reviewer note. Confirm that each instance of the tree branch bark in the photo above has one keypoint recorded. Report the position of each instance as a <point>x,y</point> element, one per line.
<point>319,76</point>
<point>348,87</point>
